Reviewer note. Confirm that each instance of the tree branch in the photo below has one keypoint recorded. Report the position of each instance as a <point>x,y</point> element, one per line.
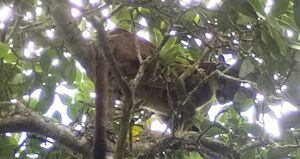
<point>20,119</point>
<point>67,30</point>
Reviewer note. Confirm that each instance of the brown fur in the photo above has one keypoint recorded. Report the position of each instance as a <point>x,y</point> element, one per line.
<point>101,103</point>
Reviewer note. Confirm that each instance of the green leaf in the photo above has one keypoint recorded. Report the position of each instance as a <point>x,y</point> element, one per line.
<point>254,129</point>
<point>266,84</point>
<point>215,131</point>
<point>70,72</point>
<point>279,41</point>
<point>46,100</point>
<point>7,147</point>
<point>295,46</point>
<point>122,15</point>
<point>170,55</point>
<point>246,68</point>
<point>297,12</point>
<point>3,49</point>
<point>243,7</point>
<point>18,79</point>
<point>189,15</point>
<point>158,36</point>
<point>242,102</point>
<point>65,99</point>
<point>293,83</point>
<point>279,7</point>
<point>273,47</point>
<point>258,6</point>
<point>250,154</point>
<point>225,19</point>
<point>46,59</point>
<point>192,155</point>
<point>281,152</point>
<point>197,19</point>
<point>168,45</point>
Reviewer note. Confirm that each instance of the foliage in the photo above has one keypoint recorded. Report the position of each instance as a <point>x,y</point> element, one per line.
<point>267,44</point>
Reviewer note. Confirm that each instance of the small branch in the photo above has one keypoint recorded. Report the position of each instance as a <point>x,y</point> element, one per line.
<point>234,79</point>
<point>14,28</point>
<point>200,83</point>
<point>209,146</point>
<point>251,145</point>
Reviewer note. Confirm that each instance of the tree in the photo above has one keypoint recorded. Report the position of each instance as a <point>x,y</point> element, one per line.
<point>45,44</point>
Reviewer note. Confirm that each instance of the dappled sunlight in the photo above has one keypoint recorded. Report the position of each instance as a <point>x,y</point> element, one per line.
<point>78,65</point>
<point>50,33</point>
<point>209,36</point>
<point>2,25</point>
<point>110,25</point>
<point>28,16</point>
<point>5,13</point>
<point>62,89</point>
<point>173,32</point>
<point>268,6</point>
<point>214,4</point>
<point>143,22</point>
<point>61,108</point>
<point>229,59</point>
<point>288,33</point>
<point>77,2</point>
<point>8,134</point>
<point>184,42</point>
<point>198,42</point>
<point>158,126</point>
<point>216,109</point>
<point>14,100</point>
<point>38,11</point>
<point>75,12</point>
<point>270,124</point>
<point>36,94</point>
<point>48,144</point>
<point>143,34</point>
<point>94,1</point>
<point>86,34</point>
<point>32,155</point>
<point>260,97</point>
<point>259,60</point>
<point>55,62</point>
<point>282,108</point>
<point>27,72</point>
<point>105,12</point>
<point>189,3</point>
<point>93,95</point>
<point>22,137</point>
<point>246,85</point>
<point>32,50</point>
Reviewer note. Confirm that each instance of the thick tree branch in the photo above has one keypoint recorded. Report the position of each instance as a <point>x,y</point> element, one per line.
<point>67,30</point>
<point>21,119</point>
<point>208,146</point>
